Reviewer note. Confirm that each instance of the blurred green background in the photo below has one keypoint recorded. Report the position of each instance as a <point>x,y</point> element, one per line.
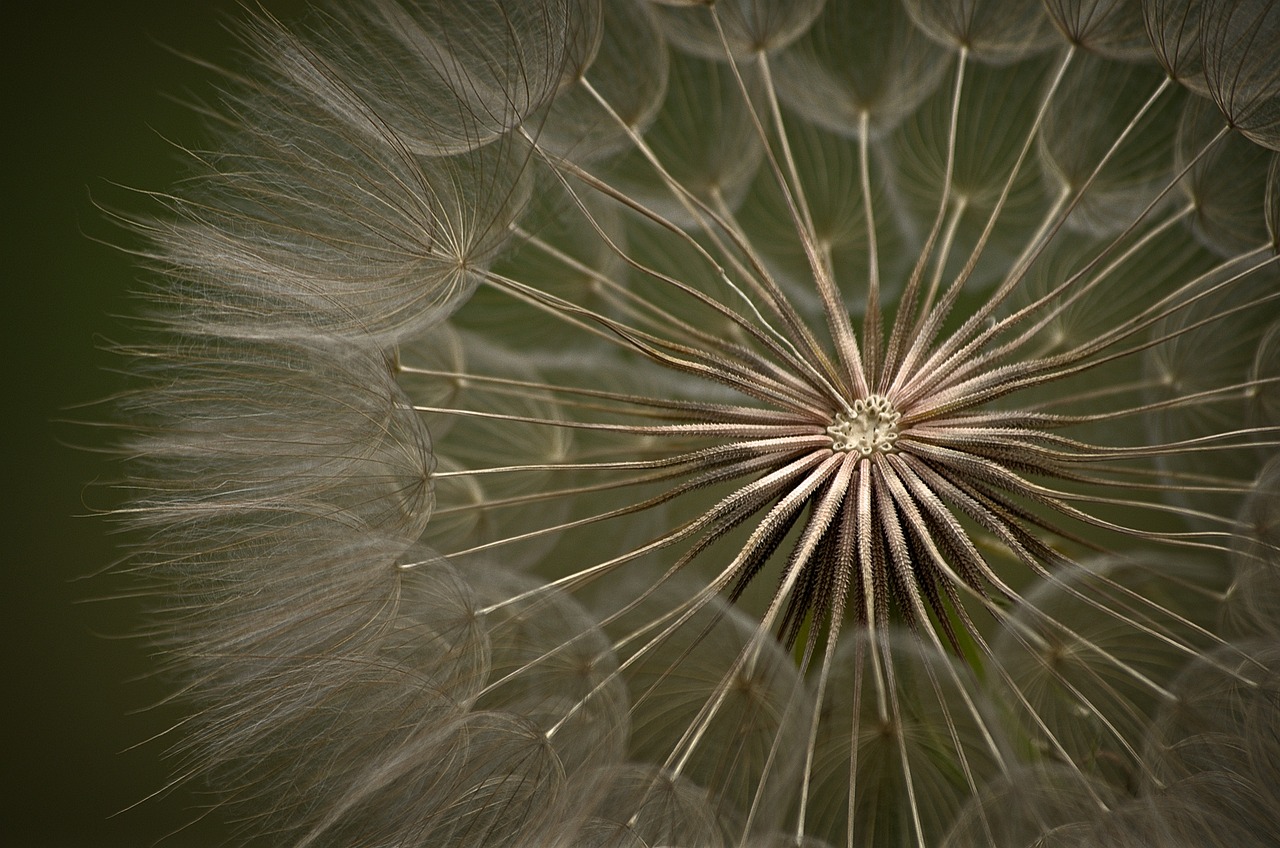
<point>90,91</point>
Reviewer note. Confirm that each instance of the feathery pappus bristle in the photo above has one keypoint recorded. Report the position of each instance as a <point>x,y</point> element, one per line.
<point>748,423</point>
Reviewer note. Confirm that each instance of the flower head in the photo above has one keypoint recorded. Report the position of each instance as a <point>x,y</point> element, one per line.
<point>749,423</point>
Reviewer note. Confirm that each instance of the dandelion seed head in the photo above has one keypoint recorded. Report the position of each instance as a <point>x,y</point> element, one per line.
<point>737,423</point>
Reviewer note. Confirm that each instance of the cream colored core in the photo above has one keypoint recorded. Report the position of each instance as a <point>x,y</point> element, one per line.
<point>870,427</point>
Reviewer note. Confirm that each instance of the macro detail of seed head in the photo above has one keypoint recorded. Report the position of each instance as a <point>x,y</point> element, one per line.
<point>870,426</point>
<point>748,423</point>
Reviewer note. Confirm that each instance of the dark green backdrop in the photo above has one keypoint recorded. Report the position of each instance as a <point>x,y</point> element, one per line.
<point>87,89</point>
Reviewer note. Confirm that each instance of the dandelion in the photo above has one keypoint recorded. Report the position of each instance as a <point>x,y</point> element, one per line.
<point>741,423</point>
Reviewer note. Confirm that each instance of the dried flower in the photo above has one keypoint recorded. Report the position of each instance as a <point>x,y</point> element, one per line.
<point>744,423</point>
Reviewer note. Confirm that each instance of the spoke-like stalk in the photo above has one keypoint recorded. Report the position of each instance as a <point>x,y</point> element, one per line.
<point>901,339</point>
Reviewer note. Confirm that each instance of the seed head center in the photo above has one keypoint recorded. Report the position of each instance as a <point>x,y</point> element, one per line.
<point>871,426</point>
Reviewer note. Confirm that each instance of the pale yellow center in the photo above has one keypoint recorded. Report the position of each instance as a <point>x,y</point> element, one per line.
<point>871,426</point>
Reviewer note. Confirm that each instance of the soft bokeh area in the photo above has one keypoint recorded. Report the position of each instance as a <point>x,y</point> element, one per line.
<point>89,91</point>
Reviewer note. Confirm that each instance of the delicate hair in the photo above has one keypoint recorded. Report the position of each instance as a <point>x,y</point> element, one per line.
<point>762,423</point>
